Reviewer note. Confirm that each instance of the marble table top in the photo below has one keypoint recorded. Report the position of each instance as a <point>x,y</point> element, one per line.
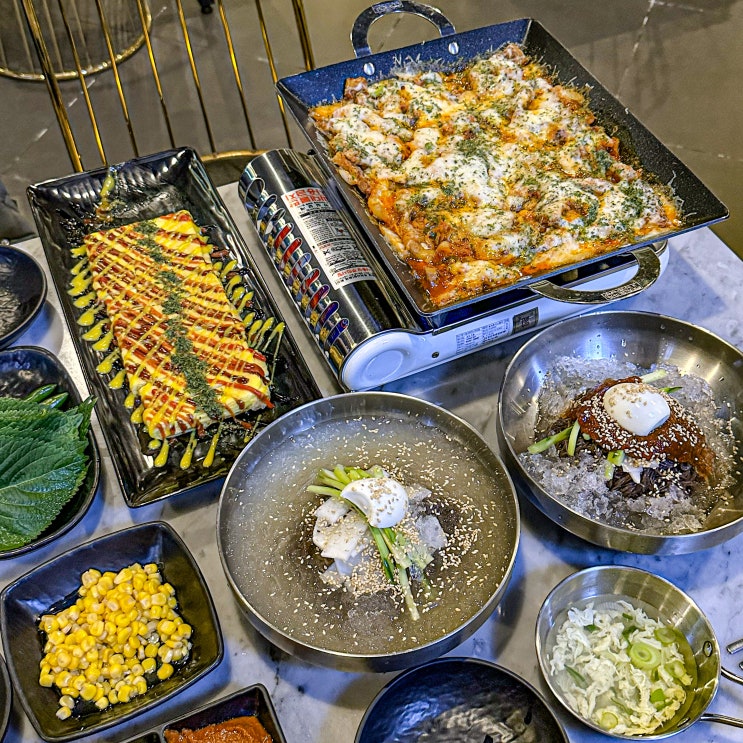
<point>702,284</point>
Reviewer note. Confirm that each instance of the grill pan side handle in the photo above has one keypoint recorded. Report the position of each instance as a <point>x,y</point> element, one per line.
<point>648,270</point>
<point>360,30</point>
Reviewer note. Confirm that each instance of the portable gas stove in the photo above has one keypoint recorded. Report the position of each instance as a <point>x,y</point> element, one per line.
<point>367,330</point>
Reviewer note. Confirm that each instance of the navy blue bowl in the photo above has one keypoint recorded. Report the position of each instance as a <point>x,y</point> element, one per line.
<point>22,292</point>
<point>466,695</point>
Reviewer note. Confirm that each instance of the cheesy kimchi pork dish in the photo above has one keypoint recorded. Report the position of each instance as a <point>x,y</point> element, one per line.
<point>181,341</point>
<point>482,177</point>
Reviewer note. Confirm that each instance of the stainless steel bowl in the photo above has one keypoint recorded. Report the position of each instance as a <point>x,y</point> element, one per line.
<point>265,523</point>
<point>643,339</point>
<point>661,600</point>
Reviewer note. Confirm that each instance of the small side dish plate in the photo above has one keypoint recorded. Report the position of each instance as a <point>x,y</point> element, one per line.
<point>252,701</point>
<point>22,292</point>
<point>472,698</point>
<point>65,211</point>
<point>54,585</point>
<point>22,370</point>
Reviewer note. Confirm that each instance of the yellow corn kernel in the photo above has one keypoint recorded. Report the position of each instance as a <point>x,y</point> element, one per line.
<point>78,682</point>
<point>141,685</point>
<point>106,582</point>
<point>129,652</point>
<point>62,678</point>
<point>112,604</point>
<point>88,692</point>
<point>66,701</point>
<point>97,628</point>
<point>57,637</point>
<point>90,577</point>
<point>125,574</point>
<point>46,679</point>
<point>70,691</point>
<point>166,627</point>
<point>165,671</point>
<point>165,653</point>
<point>88,643</point>
<point>156,611</point>
<point>49,623</point>
<point>185,630</point>
<point>149,664</point>
<point>124,693</point>
<point>136,669</point>
<point>113,697</point>
<point>93,672</point>
<point>115,670</point>
<point>138,581</point>
<point>102,703</point>
<point>63,713</point>
<point>122,620</point>
<point>159,599</point>
<point>151,568</point>
<point>145,601</point>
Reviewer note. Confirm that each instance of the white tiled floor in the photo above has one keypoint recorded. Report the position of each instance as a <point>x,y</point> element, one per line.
<point>675,64</point>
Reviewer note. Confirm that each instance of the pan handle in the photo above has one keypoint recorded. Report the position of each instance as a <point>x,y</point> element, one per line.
<point>648,270</point>
<point>360,31</point>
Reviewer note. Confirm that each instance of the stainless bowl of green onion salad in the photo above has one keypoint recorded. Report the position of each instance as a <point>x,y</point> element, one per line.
<point>629,654</point>
<point>626,429</point>
<point>368,531</point>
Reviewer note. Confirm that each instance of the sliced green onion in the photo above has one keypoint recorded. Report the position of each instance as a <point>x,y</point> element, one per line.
<point>578,677</point>
<point>676,668</point>
<point>616,457</point>
<point>654,375</point>
<point>658,698</point>
<point>666,635</point>
<point>607,719</point>
<point>543,444</point>
<point>573,438</point>
<point>644,656</point>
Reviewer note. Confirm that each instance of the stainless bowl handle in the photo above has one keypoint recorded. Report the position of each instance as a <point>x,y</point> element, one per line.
<point>360,31</point>
<point>648,270</point>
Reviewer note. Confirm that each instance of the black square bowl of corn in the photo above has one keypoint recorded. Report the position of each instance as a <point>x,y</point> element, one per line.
<point>107,630</point>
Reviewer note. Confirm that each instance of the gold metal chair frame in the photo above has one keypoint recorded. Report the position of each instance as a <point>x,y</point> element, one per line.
<point>52,79</point>
<point>16,68</point>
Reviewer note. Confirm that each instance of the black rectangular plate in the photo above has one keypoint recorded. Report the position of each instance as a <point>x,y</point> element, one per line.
<point>147,187</point>
<point>700,207</point>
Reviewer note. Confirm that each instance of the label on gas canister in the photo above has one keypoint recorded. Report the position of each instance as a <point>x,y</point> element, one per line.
<point>327,236</point>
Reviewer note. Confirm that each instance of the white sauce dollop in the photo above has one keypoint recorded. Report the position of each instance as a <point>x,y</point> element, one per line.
<point>637,407</point>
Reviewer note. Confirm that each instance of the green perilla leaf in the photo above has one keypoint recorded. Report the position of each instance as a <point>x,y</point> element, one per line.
<point>42,464</point>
